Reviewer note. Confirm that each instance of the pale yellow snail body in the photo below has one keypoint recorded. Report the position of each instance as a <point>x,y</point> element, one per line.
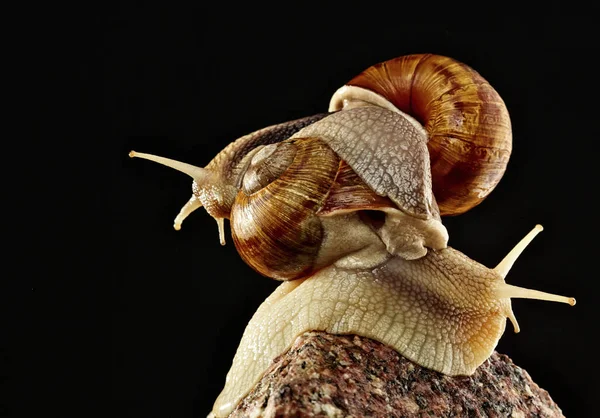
<point>345,208</point>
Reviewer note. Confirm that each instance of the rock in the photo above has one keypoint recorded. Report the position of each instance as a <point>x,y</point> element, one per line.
<point>325,375</point>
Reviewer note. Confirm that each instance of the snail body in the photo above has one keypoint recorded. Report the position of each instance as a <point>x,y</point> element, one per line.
<point>346,208</point>
<point>443,311</point>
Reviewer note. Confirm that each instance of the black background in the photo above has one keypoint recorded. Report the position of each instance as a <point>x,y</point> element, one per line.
<point>143,321</point>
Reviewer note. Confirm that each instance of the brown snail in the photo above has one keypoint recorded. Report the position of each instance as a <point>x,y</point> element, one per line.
<point>346,208</point>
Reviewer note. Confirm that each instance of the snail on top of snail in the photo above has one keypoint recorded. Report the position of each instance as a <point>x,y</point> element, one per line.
<point>345,208</point>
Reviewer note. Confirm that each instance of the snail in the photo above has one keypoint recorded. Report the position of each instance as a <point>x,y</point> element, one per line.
<point>345,208</point>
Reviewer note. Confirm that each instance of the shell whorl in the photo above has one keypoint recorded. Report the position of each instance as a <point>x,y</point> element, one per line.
<point>274,226</point>
<point>469,128</point>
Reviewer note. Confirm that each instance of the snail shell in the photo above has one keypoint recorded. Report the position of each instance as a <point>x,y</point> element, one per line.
<point>284,187</point>
<point>470,139</point>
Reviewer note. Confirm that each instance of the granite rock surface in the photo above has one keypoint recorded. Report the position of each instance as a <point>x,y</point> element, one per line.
<point>325,375</point>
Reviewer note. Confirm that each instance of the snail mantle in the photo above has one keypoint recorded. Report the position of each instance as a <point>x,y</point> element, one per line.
<point>345,207</point>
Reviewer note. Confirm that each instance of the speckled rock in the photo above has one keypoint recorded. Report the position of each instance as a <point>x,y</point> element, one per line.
<point>326,375</point>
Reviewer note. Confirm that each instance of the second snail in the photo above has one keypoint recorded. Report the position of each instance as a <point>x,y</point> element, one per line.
<point>345,207</point>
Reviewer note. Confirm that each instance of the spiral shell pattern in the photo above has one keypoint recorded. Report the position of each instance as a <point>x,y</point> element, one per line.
<point>468,124</point>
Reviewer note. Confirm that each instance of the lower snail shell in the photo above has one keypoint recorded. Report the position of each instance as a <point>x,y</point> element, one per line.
<point>274,228</point>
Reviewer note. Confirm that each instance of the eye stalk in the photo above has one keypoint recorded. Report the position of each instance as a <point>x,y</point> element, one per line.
<point>197,173</point>
<point>192,204</point>
<point>508,291</point>
<point>208,191</point>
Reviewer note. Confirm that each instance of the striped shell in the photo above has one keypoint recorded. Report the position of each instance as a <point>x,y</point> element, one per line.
<point>469,128</point>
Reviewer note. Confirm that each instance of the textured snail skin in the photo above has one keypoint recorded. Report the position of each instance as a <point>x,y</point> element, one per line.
<point>388,151</point>
<point>440,311</point>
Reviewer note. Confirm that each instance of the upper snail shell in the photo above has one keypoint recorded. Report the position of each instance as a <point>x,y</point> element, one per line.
<point>469,128</point>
